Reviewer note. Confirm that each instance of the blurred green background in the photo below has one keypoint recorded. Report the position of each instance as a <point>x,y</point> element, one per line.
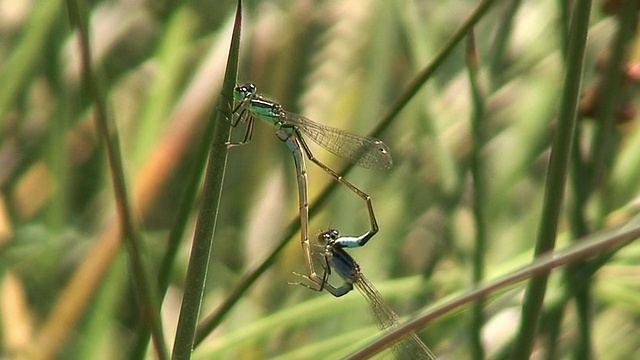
<point>65,283</point>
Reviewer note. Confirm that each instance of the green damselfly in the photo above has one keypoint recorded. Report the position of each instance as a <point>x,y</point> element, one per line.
<point>364,151</point>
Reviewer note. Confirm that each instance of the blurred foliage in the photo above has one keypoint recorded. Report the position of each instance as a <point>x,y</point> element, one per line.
<point>342,63</point>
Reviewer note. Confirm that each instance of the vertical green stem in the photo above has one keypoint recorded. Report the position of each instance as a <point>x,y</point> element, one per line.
<point>208,215</point>
<point>477,317</point>
<point>143,287</point>
<point>604,139</point>
<point>556,176</point>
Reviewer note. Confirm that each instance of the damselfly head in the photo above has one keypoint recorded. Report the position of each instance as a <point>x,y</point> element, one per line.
<point>328,236</point>
<point>244,91</point>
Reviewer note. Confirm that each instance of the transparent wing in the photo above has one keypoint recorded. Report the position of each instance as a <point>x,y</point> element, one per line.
<point>363,151</point>
<point>410,347</point>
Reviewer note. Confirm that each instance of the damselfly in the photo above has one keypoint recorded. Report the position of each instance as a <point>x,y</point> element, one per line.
<point>363,151</point>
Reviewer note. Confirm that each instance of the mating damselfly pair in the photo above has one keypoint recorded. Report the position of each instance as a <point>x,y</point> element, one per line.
<point>363,151</point>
